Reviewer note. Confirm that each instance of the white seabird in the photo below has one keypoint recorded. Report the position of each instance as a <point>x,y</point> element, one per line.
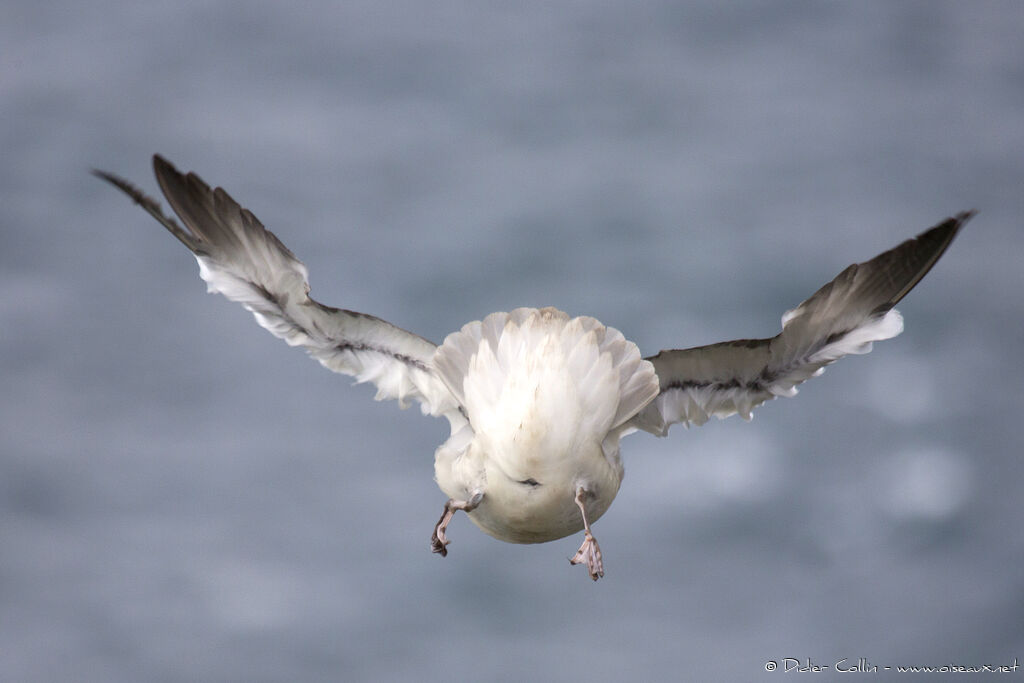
<point>537,401</point>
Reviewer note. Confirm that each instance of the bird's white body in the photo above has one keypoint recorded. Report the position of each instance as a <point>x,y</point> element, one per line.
<point>546,397</point>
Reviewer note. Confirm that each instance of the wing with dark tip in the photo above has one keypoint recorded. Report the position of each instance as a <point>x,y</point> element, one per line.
<point>843,317</point>
<point>245,262</point>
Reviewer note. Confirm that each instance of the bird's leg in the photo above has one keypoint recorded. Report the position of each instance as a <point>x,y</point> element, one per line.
<point>439,541</point>
<point>590,551</point>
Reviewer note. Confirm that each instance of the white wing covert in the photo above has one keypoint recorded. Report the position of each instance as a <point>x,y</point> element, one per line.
<point>844,317</point>
<point>245,262</point>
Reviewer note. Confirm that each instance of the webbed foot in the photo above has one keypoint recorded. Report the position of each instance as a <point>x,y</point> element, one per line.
<point>439,540</point>
<point>590,552</point>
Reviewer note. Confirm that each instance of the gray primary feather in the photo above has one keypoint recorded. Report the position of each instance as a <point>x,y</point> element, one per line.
<point>244,261</point>
<point>845,316</point>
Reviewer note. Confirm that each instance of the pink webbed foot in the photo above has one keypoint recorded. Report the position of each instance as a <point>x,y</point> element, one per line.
<point>590,552</point>
<point>590,555</point>
<point>439,540</point>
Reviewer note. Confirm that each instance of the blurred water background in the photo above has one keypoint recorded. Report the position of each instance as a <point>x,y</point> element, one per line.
<point>184,498</point>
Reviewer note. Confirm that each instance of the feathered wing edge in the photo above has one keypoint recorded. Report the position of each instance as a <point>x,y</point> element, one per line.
<point>245,262</point>
<point>844,317</point>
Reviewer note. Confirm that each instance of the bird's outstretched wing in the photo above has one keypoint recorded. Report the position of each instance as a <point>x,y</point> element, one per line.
<point>843,317</point>
<point>245,262</point>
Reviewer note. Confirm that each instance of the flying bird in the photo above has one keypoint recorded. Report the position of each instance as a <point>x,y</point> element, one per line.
<point>537,400</point>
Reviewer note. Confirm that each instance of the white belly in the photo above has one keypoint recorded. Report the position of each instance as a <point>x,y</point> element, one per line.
<point>544,396</point>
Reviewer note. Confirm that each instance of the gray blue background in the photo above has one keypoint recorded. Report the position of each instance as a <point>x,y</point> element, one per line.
<point>183,497</point>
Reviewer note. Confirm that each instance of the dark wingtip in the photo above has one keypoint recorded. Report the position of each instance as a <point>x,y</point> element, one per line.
<point>931,244</point>
<point>109,177</point>
<point>164,169</point>
<point>151,205</point>
<point>160,163</point>
<point>137,195</point>
<point>953,224</point>
<point>117,181</point>
<point>947,230</point>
